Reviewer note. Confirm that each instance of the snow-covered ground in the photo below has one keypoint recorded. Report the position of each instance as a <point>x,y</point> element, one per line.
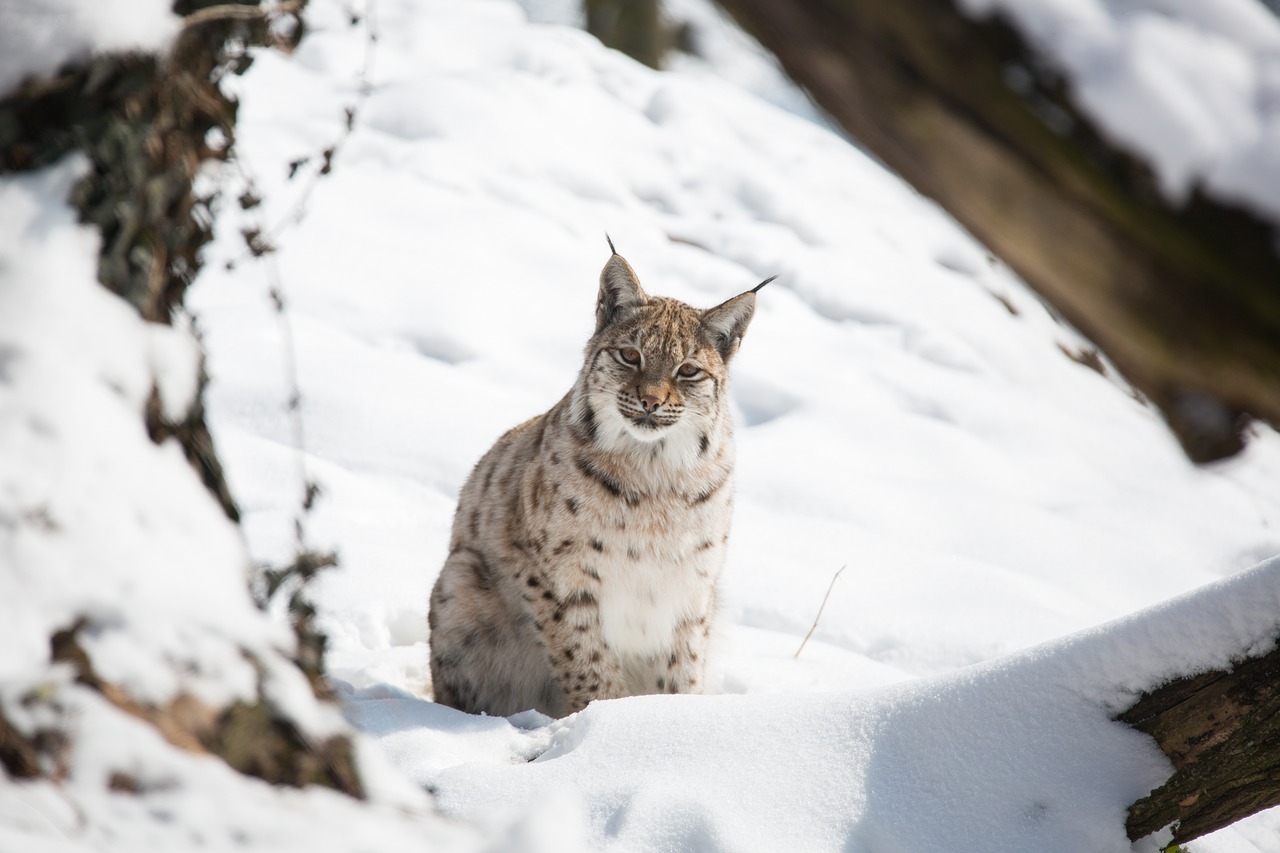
<point>904,406</point>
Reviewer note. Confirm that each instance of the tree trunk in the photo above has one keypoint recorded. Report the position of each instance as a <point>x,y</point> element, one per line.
<point>1184,300</point>
<point>635,27</point>
<point>1221,730</point>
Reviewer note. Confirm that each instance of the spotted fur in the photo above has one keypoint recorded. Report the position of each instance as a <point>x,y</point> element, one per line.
<point>588,541</point>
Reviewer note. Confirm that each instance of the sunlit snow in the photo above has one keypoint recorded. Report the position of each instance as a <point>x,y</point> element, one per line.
<point>905,408</point>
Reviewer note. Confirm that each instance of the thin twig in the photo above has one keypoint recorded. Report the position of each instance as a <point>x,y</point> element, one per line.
<point>261,245</point>
<point>821,607</point>
<point>271,234</point>
<point>294,404</point>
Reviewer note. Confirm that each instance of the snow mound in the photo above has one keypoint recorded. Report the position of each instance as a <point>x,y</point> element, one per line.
<point>1007,756</point>
<point>167,593</point>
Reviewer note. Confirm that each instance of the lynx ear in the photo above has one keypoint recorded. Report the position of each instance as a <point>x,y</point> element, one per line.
<point>620,291</point>
<point>723,326</point>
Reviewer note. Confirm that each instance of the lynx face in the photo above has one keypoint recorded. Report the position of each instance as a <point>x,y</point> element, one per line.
<point>653,375</point>
<point>655,369</point>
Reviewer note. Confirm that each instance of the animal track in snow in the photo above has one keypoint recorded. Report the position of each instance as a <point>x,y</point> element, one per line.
<point>760,401</point>
<point>441,348</point>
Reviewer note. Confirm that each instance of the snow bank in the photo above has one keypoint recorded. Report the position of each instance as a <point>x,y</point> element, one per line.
<point>102,524</point>
<point>181,801</point>
<point>1012,755</point>
<point>1194,88</point>
<point>37,39</point>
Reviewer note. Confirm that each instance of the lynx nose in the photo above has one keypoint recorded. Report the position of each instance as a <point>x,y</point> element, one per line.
<point>650,403</point>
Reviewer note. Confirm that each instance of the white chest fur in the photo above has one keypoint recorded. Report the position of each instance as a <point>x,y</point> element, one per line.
<point>647,592</point>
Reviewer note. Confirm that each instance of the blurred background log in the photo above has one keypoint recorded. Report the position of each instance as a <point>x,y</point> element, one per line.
<point>635,27</point>
<point>1184,300</point>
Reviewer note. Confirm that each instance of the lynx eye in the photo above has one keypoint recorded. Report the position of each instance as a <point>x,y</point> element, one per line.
<point>629,356</point>
<point>688,370</point>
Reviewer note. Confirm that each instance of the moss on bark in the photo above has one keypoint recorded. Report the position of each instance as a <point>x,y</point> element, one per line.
<point>1221,731</point>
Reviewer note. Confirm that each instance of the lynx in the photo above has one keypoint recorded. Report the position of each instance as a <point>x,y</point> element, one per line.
<point>588,541</point>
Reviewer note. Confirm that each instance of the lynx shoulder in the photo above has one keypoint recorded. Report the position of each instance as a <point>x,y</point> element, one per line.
<point>588,541</point>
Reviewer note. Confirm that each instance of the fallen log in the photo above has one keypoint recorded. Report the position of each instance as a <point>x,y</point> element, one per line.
<point>1221,730</point>
<point>1184,299</point>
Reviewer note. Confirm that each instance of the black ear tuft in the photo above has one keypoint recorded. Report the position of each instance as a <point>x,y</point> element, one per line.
<point>609,240</point>
<point>620,290</point>
<point>755,289</point>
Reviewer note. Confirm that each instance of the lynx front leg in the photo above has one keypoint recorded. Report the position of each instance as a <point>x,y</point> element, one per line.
<point>684,669</point>
<point>568,620</point>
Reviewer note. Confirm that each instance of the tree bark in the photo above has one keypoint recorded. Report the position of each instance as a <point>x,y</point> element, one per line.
<point>635,27</point>
<point>1183,299</point>
<point>1221,730</point>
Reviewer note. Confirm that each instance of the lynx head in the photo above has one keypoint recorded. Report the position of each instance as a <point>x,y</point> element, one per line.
<point>657,369</point>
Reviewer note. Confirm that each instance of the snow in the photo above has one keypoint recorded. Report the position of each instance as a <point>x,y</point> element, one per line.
<point>188,802</point>
<point>1194,88</point>
<point>958,761</point>
<point>39,38</point>
<point>76,488</point>
<point>1013,523</point>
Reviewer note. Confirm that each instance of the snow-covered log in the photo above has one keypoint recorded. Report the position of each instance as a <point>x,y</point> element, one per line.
<point>1123,164</point>
<point>1221,730</point>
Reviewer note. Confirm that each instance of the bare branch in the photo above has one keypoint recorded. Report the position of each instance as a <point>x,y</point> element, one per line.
<point>822,606</point>
<point>235,12</point>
